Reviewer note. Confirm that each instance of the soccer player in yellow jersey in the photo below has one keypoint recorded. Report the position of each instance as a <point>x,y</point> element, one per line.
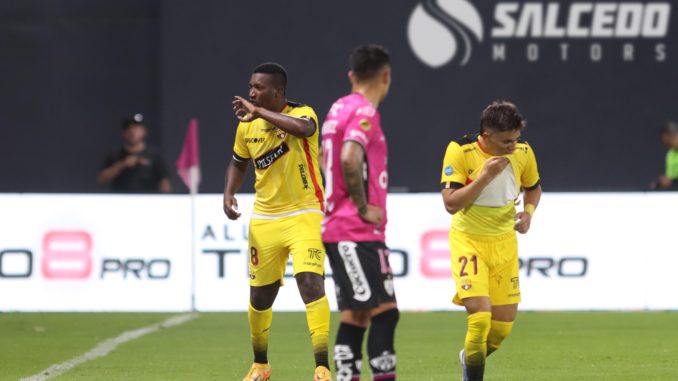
<point>482,178</point>
<point>280,138</point>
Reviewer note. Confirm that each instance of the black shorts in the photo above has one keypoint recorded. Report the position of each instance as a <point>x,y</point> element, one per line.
<point>362,275</point>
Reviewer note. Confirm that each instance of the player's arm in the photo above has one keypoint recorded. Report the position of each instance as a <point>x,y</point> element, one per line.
<point>531,199</point>
<point>352,154</point>
<point>459,198</point>
<point>531,195</point>
<point>321,160</point>
<point>235,175</point>
<point>298,126</point>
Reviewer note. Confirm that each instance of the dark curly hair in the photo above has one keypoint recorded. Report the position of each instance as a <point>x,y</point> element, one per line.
<point>501,116</point>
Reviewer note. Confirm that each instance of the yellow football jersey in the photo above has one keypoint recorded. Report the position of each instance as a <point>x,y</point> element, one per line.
<point>286,166</point>
<point>493,212</point>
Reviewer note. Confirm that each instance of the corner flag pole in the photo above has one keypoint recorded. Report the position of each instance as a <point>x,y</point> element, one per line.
<point>188,168</point>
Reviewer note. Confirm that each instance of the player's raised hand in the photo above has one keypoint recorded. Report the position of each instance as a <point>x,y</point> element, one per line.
<point>523,220</point>
<point>243,109</point>
<point>373,214</point>
<point>231,207</point>
<point>494,166</point>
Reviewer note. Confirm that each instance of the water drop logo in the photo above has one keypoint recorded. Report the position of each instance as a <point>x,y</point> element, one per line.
<point>439,29</point>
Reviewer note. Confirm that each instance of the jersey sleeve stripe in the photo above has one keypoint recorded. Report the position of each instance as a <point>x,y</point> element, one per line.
<point>534,186</point>
<point>451,185</point>
<point>241,159</point>
<point>311,169</point>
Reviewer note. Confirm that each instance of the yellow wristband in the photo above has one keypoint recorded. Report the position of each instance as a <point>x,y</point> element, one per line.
<point>529,208</point>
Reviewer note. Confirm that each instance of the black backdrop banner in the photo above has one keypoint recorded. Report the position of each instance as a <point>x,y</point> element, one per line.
<point>595,80</point>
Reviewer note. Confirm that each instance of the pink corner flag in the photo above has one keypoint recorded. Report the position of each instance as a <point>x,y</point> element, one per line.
<point>188,163</point>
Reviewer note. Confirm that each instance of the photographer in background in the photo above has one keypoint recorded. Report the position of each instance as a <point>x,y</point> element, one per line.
<point>134,167</point>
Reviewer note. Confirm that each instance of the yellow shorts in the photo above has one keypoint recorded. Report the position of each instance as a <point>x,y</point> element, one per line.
<point>485,266</point>
<point>272,241</point>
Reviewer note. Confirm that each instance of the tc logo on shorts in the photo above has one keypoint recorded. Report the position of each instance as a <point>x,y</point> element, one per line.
<point>515,281</point>
<point>448,170</point>
<point>354,270</point>
<point>466,284</point>
<point>314,253</point>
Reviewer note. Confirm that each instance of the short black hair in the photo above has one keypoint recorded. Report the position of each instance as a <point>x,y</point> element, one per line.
<point>669,127</point>
<point>276,70</point>
<point>367,60</point>
<point>131,120</point>
<point>501,116</point>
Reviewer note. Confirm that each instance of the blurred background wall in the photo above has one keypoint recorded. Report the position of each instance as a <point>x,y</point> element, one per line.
<point>70,69</point>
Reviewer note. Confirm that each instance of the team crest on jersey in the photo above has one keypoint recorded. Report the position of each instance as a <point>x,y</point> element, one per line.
<point>280,133</point>
<point>365,124</point>
<point>466,284</point>
<point>449,170</point>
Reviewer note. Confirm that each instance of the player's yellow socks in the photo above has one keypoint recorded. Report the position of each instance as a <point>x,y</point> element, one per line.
<point>499,330</point>
<point>260,325</point>
<point>475,346</point>
<point>318,318</point>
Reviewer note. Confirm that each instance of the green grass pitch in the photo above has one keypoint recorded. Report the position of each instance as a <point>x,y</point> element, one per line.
<point>215,346</point>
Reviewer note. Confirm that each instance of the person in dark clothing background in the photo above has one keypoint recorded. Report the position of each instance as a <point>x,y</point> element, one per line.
<point>135,167</point>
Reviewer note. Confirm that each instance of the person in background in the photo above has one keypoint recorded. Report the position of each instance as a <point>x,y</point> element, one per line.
<point>669,138</point>
<point>135,167</point>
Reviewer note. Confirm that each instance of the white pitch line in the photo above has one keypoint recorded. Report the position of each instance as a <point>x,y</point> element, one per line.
<point>107,346</point>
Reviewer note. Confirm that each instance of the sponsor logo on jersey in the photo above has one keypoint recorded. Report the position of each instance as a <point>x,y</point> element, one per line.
<point>449,170</point>
<point>266,160</point>
<point>368,111</point>
<point>302,173</point>
<point>365,124</point>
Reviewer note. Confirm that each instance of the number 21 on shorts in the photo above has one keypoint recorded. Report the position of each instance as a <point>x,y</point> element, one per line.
<point>464,262</point>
